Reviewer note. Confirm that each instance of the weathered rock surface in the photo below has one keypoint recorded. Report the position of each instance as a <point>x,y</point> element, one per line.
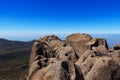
<point>80,57</point>
<point>103,69</point>
<point>82,42</point>
<point>117,47</point>
<point>60,70</point>
<point>101,50</point>
<point>116,56</point>
<point>78,42</point>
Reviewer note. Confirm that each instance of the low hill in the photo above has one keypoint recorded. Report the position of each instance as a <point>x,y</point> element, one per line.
<point>14,58</point>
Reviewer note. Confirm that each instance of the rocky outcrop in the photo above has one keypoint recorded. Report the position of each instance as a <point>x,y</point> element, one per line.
<point>116,56</point>
<point>54,59</point>
<point>80,57</point>
<point>78,42</point>
<point>58,70</point>
<point>82,42</point>
<point>103,69</point>
<point>117,47</point>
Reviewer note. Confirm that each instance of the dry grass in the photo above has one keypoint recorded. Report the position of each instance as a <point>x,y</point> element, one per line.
<point>15,66</point>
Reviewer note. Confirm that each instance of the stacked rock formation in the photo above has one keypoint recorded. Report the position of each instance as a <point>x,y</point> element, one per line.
<point>80,57</point>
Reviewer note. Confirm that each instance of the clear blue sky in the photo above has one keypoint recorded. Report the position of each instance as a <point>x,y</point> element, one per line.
<point>33,17</point>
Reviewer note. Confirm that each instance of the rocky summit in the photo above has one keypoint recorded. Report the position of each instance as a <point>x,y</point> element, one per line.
<point>79,57</point>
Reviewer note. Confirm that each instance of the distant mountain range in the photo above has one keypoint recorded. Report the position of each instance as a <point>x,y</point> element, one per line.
<point>12,45</point>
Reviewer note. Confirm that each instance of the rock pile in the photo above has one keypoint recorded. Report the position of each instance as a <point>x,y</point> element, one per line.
<point>80,57</point>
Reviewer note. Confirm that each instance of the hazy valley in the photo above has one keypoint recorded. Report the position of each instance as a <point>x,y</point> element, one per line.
<point>14,59</point>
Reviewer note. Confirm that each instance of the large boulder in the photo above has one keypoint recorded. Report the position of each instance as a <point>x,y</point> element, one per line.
<point>45,47</point>
<point>66,53</point>
<point>41,48</point>
<point>103,69</point>
<point>82,42</point>
<point>117,47</point>
<point>57,70</point>
<point>86,61</point>
<point>95,42</point>
<point>116,56</point>
<point>78,42</point>
<point>101,50</point>
<point>94,66</point>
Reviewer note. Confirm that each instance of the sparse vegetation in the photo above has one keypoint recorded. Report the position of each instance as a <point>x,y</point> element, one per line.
<point>14,63</point>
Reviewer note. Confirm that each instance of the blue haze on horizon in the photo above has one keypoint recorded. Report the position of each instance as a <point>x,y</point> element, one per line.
<point>28,19</point>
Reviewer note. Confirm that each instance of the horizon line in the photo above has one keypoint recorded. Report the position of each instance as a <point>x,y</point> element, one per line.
<point>52,34</point>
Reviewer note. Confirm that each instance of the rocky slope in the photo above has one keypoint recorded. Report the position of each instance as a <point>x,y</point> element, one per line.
<point>8,45</point>
<point>14,59</point>
<point>79,57</point>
